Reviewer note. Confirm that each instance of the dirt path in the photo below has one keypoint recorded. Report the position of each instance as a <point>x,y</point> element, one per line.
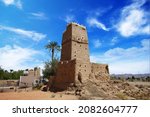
<point>36,95</point>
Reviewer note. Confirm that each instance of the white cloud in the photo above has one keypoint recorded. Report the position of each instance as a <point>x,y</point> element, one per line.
<point>17,57</point>
<point>146,44</point>
<point>134,20</point>
<point>16,3</point>
<point>97,43</point>
<point>98,11</point>
<point>39,15</point>
<point>8,2</point>
<point>114,40</point>
<point>129,60</point>
<point>93,22</point>
<point>29,34</point>
<point>69,18</point>
<point>134,67</point>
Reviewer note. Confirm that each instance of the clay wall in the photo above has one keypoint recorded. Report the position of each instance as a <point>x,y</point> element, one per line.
<point>65,74</point>
<point>66,51</point>
<point>75,43</point>
<point>31,73</point>
<point>99,68</point>
<point>84,68</point>
<point>80,51</point>
<point>37,72</point>
<point>100,71</point>
<point>79,33</point>
<point>30,78</point>
<point>27,80</point>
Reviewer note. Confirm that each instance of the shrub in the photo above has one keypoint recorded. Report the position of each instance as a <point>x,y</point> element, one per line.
<point>1,90</point>
<point>52,96</point>
<point>121,96</point>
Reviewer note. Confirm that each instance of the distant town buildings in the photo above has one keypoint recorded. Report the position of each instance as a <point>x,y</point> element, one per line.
<point>30,77</point>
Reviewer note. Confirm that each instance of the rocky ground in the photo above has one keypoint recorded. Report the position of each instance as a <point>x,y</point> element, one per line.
<point>89,90</point>
<point>114,89</point>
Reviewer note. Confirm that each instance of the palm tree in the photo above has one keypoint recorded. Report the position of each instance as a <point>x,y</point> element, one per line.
<point>11,70</point>
<point>52,46</point>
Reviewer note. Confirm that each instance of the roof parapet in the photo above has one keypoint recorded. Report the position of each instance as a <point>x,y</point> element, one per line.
<point>76,24</point>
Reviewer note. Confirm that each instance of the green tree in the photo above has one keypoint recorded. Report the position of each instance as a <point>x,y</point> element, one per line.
<point>148,78</point>
<point>133,78</point>
<point>12,75</point>
<point>50,68</point>
<point>1,73</point>
<point>11,70</point>
<point>52,46</point>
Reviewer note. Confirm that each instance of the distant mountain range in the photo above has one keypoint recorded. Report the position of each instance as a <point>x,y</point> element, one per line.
<point>130,75</point>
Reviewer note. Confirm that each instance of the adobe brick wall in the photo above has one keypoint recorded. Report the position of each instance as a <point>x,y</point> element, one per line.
<point>84,68</point>
<point>75,43</point>
<point>65,74</point>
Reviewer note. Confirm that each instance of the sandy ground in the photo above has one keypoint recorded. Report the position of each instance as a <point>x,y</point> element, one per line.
<point>140,83</point>
<point>136,90</point>
<point>36,95</point>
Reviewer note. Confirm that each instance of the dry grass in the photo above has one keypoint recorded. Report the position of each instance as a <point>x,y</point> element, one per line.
<point>121,96</point>
<point>52,96</point>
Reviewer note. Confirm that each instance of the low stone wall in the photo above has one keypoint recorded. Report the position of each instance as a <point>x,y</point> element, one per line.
<point>7,83</point>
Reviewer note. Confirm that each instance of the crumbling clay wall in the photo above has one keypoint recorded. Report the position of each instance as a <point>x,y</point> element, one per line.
<point>100,71</point>
<point>102,68</point>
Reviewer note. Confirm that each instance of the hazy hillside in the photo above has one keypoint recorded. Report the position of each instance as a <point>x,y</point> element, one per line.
<point>130,75</point>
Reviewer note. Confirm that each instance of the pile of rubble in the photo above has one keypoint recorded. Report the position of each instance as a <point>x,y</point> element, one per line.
<point>109,89</point>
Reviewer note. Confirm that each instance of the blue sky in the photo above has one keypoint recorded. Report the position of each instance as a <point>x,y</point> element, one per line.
<point>118,31</point>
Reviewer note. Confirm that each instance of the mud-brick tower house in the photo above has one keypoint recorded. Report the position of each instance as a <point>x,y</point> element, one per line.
<point>74,66</point>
